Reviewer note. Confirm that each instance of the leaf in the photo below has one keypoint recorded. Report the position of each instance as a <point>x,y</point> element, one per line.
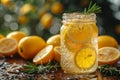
<point>109,70</point>
<point>30,68</point>
<point>92,8</point>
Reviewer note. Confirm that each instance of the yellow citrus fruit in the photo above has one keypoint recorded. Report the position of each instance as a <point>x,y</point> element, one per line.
<point>79,34</point>
<point>18,35</point>
<point>26,8</point>
<point>57,53</point>
<point>54,40</point>
<point>23,19</point>
<point>85,58</point>
<point>46,20</point>
<point>29,46</point>
<point>71,45</point>
<point>8,46</point>
<point>74,35</point>
<point>7,2</point>
<point>2,36</point>
<point>57,8</point>
<point>108,55</point>
<point>45,55</point>
<point>107,41</point>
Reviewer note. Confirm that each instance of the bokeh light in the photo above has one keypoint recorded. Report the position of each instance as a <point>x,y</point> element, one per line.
<point>26,15</point>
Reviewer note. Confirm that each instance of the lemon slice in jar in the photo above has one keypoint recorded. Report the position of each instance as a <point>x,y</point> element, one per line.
<point>71,46</point>
<point>79,33</point>
<point>85,58</point>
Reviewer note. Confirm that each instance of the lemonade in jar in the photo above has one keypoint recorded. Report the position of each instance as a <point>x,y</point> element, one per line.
<point>79,43</point>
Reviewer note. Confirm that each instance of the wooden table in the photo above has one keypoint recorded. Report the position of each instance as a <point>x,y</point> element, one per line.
<point>53,75</point>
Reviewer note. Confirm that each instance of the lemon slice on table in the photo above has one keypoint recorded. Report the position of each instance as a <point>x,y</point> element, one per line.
<point>108,55</point>
<point>85,58</point>
<point>79,33</point>
<point>45,55</point>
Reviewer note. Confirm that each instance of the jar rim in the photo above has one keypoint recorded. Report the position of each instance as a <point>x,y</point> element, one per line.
<point>79,16</point>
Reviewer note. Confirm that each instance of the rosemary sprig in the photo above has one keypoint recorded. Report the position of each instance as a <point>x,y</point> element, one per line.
<point>108,70</point>
<point>92,8</point>
<point>32,69</point>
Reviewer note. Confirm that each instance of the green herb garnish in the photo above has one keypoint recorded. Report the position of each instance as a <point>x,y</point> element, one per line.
<point>108,70</point>
<point>92,8</point>
<point>30,68</point>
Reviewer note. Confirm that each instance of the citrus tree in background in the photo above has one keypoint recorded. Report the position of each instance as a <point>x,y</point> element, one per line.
<point>35,17</point>
<point>44,17</point>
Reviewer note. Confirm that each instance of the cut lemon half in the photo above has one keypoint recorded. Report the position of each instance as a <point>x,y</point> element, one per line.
<point>18,35</point>
<point>45,55</point>
<point>86,58</point>
<point>108,55</point>
<point>8,46</point>
<point>79,33</point>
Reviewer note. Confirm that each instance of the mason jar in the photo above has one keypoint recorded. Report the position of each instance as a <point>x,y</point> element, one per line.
<point>79,43</point>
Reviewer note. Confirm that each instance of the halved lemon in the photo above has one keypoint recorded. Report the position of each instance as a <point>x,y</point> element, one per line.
<point>45,55</point>
<point>108,55</point>
<point>86,58</point>
<point>18,35</point>
<point>8,46</point>
<point>79,33</point>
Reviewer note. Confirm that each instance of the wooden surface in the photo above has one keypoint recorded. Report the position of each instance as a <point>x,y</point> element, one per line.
<point>53,75</point>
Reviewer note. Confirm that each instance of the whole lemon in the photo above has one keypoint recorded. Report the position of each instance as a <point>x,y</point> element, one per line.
<point>26,8</point>
<point>29,46</point>
<point>57,8</point>
<point>107,41</point>
<point>54,40</point>
<point>46,20</point>
<point>7,2</point>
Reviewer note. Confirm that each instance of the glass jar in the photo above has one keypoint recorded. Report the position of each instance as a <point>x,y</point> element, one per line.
<point>79,43</point>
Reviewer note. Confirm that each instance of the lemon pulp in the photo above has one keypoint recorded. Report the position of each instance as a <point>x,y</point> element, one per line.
<point>85,58</point>
<point>108,55</point>
<point>79,33</point>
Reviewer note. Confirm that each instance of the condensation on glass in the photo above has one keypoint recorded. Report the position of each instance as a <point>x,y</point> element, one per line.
<point>79,43</point>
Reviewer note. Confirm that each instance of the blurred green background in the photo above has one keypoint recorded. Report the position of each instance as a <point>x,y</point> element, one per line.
<point>43,17</point>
